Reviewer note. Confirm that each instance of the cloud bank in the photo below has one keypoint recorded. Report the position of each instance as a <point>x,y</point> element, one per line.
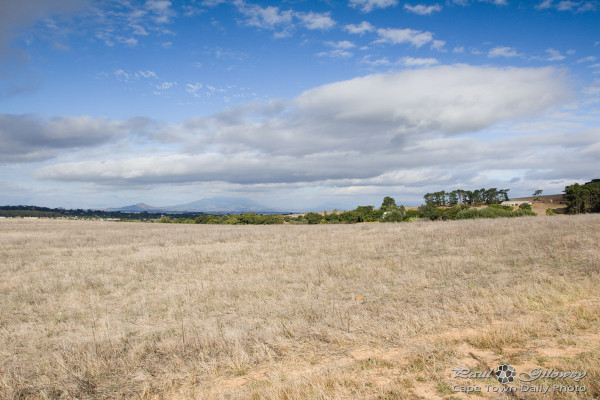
<point>370,130</point>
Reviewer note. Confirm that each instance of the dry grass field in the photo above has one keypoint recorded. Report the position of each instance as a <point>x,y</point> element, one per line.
<point>99,310</point>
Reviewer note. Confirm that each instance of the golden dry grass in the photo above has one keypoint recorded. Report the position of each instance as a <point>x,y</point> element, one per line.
<point>368,311</point>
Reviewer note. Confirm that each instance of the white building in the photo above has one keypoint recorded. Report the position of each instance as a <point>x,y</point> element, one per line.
<point>515,203</point>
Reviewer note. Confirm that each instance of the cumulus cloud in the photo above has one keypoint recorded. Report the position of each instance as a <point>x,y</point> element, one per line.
<point>316,21</point>
<point>335,53</point>
<point>421,9</point>
<point>370,5</point>
<point>438,45</point>
<point>273,18</point>
<point>467,2</point>
<point>264,17</point>
<point>359,29</point>
<point>397,36</point>
<point>161,9</point>
<point>503,51</point>
<point>568,5</point>
<point>342,44</point>
<point>340,49</point>
<point>419,62</point>
<point>363,128</point>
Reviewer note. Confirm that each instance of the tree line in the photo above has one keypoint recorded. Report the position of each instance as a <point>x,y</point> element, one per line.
<point>472,198</point>
<point>583,198</point>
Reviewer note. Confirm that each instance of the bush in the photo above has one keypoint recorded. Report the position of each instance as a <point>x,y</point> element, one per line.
<point>501,207</point>
<point>549,211</point>
<point>452,212</point>
<point>525,206</point>
<point>332,218</point>
<point>411,215</point>
<point>393,216</point>
<point>470,213</point>
<point>313,218</point>
<point>524,213</point>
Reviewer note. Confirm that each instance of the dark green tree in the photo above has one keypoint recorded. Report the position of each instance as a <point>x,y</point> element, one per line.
<point>583,198</point>
<point>388,204</point>
<point>313,218</point>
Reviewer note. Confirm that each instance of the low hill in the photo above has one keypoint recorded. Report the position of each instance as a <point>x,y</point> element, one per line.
<point>216,205</point>
<point>139,207</point>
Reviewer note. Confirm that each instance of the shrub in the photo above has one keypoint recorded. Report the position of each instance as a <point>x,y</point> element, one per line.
<point>411,215</point>
<point>524,213</point>
<point>393,216</point>
<point>525,206</point>
<point>313,218</point>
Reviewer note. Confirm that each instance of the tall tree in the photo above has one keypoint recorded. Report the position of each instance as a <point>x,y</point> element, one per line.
<point>388,204</point>
<point>453,197</point>
<point>583,198</point>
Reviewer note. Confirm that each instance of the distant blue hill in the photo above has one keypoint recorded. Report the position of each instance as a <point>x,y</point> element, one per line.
<point>139,207</point>
<point>216,205</point>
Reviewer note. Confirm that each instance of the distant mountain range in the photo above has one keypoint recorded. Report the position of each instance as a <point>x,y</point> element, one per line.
<point>216,205</point>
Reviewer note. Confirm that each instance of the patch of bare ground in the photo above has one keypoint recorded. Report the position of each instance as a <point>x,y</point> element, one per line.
<point>97,310</point>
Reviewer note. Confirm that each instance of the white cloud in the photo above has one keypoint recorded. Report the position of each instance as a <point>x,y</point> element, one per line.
<point>568,5</point>
<point>336,53</point>
<point>273,18</point>
<point>398,36</point>
<point>165,85</point>
<point>586,59</point>
<point>194,88</point>
<point>161,9</point>
<point>264,17</point>
<point>423,9</point>
<point>554,55</point>
<point>438,45</point>
<point>411,118</point>
<point>316,21</point>
<point>459,49</point>
<point>419,62</point>
<point>342,44</point>
<point>378,62</point>
<point>124,76</point>
<point>359,29</point>
<point>212,3</point>
<point>26,138</point>
<point>503,52</point>
<point>465,3</point>
<point>340,49</point>
<point>370,5</point>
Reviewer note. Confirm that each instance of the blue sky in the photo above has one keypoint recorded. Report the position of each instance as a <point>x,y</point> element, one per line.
<point>296,103</point>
